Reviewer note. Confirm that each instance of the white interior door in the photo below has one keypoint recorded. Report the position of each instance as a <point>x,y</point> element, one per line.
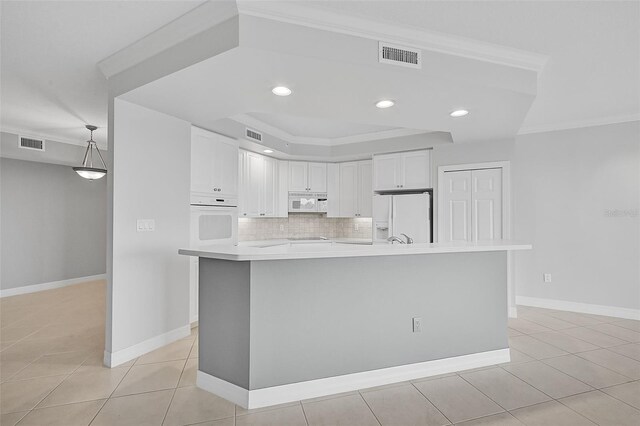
<point>457,206</point>
<point>487,204</point>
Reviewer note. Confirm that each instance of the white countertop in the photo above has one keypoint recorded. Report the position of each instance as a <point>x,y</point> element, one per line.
<point>285,250</point>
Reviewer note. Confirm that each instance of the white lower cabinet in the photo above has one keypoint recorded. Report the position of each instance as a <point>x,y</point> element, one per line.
<point>260,186</point>
<point>356,189</point>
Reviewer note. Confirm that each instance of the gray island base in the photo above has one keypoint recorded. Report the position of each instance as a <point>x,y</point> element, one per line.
<point>280,330</point>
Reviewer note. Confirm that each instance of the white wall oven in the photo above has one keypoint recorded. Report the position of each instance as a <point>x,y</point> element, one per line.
<point>214,220</point>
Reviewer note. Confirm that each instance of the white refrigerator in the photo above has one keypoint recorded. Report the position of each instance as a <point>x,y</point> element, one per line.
<point>402,214</point>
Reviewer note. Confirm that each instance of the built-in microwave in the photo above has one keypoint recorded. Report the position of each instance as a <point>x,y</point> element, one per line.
<point>308,202</point>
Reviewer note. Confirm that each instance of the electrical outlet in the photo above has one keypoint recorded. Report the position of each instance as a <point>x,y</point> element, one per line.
<point>356,226</point>
<point>417,325</point>
<point>546,277</point>
<point>282,227</point>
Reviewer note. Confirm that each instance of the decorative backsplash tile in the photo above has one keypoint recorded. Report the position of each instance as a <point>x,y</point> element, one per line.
<point>303,225</point>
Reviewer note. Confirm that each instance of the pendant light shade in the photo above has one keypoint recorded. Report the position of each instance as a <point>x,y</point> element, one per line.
<point>87,170</point>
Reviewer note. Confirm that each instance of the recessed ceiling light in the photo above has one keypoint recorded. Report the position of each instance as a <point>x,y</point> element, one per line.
<point>268,151</point>
<point>281,91</point>
<point>385,103</point>
<point>459,113</point>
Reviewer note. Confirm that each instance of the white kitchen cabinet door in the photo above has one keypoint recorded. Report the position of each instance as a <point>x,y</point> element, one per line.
<point>270,183</point>
<point>333,189</point>
<point>317,177</point>
<point>457,206</point>
<point>348,189</point>
<point>202,164</point>
<point>225,166</point>
<point>298,176</point>
<point>283,189</point>
<point>416,170</point>
<point>486,199</point>
<point>387,172</point>
<point>365,189</point>
<point>214,164</point>
<point>253,185</point>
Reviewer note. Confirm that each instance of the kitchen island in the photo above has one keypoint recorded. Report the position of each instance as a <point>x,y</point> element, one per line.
<point>286,322</point>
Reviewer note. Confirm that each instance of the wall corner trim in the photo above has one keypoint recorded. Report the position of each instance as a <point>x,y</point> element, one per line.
<point>583,308</point>
<point>349,382</point>
<point>49,286</point>
<point>113,359</point>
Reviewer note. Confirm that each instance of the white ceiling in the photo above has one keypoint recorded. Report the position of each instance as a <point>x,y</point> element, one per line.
<point>593,74</point>
<point>50,83</point>
<point>51,86</point>
<point>316,127</point>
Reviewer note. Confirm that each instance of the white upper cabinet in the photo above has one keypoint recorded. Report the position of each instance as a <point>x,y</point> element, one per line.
<point>355,189</point>
<point>365,189</point>
<point>402,171</point>
<point>214,165</point>
<point>318,177</point>
<point>260,186</point>
<point>298,176</point>
<point>307,177</point>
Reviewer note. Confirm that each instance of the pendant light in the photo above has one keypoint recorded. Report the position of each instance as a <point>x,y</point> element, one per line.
<point>87,170</point>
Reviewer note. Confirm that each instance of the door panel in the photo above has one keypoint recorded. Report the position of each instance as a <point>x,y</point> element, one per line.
<point>416,170</point>
<point>348,189</point>
<point>298,176</point>
<point>226,166</point>
<point>457,206</point>
<point>386,169</point>
<point>269,185</point>
<point>202,164</point>
<point>318,177</point>
<point>487,204</point>
<point>365,189</point>
<point>254,184</point>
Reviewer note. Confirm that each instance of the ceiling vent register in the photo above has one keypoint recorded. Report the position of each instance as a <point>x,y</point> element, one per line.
<point>254,135</point>
<point>399,55</point>
<point>31,143</point>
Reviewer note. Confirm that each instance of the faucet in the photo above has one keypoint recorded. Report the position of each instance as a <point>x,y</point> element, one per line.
<point>409,239</point>
<point>394,238</point>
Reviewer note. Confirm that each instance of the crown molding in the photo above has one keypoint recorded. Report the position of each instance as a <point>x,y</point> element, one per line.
<point>260,125</point>
<point>205,16</point>
<point>298,14</point>
<point>579,124</point>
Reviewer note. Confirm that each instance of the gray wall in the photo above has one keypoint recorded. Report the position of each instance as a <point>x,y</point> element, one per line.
<point>288,321</point>
<point>52,224</point>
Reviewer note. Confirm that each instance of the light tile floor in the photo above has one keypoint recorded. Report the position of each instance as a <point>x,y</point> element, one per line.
<point>566,369</point>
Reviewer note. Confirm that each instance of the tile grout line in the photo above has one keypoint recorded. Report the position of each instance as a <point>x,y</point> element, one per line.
<point>304,413</point>
<point>369,407</point>
<point>431,402</point>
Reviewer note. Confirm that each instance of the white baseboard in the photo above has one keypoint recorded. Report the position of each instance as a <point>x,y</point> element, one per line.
<point>513,312</point>
<point>583,308</point>
<point>113,359</point>
<point>49,286</point>
<point>348,382</point>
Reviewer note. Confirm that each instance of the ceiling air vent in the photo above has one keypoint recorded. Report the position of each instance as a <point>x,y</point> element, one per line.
<point>254,135</point>
<point>399,55</point>
<point>31,143</point>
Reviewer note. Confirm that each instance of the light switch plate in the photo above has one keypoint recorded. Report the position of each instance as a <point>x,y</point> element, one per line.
<point>146,225</point>
<point>417,324</point>
<point>546,278</point>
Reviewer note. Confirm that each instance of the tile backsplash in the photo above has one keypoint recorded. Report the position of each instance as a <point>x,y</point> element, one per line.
<point>303,225</point>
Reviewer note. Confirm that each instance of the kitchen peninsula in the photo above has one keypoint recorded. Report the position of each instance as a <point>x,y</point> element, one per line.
<point>295,321</point>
